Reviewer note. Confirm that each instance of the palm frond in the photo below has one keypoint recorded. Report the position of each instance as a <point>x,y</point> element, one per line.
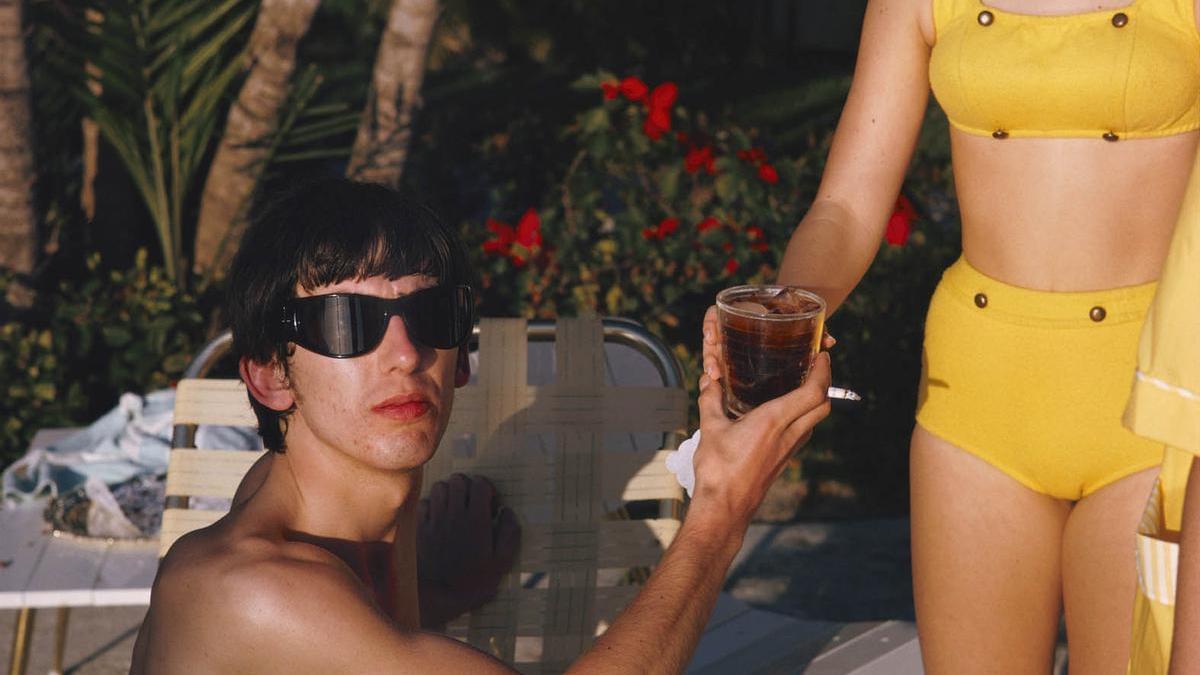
<point>163,70</point>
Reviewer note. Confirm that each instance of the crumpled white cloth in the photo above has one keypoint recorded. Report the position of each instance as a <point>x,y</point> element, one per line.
<point>679,462</point>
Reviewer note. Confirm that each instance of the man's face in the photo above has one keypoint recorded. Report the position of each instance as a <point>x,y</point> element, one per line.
<point>387,408</point>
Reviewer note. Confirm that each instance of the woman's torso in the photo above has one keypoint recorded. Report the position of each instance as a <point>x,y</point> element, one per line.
<point>1072,211</point>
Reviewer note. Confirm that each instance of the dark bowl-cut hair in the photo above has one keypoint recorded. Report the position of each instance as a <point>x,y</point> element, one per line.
<point>321,233</point>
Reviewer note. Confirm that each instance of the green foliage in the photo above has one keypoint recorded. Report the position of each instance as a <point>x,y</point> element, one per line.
<point>159,72</point>
<point>610,245</point>
<point>598,241</point>
<point>115,331</point>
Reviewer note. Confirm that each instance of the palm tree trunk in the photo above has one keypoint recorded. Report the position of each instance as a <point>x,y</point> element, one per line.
<point>381,145</point>
<point>239,161</point>
<point>18,225</point>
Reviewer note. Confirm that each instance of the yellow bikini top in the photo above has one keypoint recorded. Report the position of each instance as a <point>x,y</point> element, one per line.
<point>1132,72</point>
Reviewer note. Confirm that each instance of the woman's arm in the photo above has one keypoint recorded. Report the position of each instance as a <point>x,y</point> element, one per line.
<point>836,240</point>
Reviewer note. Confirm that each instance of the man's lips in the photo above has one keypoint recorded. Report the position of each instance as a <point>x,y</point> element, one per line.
<point>403,408</point>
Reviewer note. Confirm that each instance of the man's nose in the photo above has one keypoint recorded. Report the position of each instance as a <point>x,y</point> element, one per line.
<point>398,350</point>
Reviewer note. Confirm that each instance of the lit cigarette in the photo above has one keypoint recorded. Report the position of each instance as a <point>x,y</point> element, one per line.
<point>843,394</point>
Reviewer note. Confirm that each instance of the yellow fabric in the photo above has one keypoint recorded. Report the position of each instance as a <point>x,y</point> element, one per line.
<point>1031,383</point>
<point>1165,405</point>
<point>1077,75</point>
<point>1151,649</point>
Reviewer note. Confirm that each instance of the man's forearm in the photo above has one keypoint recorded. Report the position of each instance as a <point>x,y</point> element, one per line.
<point>659,630</point>
<point>1185,648</point>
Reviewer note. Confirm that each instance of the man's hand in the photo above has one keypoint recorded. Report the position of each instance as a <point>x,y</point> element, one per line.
<point>466,542</point>
<point>738,460</point>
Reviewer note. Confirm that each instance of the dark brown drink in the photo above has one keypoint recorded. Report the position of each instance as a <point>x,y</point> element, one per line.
<point>770,335</point>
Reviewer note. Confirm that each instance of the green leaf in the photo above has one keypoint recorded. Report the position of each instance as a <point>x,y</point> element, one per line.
<point>596,120</point>
<point>726,186</point>
<point>44,391</point>
<point>669,181</point>
<point>176,363</point>
<point>116,336</point>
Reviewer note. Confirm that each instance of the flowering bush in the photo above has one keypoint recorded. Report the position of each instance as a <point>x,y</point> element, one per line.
<point>658,209</point>
<point>655,212</point>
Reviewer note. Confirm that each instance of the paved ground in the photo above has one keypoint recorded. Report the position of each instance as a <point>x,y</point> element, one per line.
<point>839,571</point>
<point>99,639</point>
<point>856,570</point>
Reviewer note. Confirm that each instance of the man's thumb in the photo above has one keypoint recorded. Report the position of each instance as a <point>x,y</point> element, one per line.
<point>709,402</point>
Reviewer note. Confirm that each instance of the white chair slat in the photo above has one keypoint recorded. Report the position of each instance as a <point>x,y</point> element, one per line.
<point>221,402</point>
<point>209,473</point>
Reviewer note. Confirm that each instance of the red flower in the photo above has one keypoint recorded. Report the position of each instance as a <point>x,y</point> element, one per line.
<point>757,238</point>
<point>529,229</point>
<point>731,266</point>
<point>708,224</point>
<point>727,247</point>
<point>899,226</point>
<point>667,226</point>
<point>505,236</point>
<point>651,130</point>
<point>658,120</point>
<point>752,156</point>
<point>633,88</point>
<point>518,244</point>
<point>699,157</point>
<point>768,173</point>
<point>610,89</point>
<point>663,96</point>
<point>657,123</point>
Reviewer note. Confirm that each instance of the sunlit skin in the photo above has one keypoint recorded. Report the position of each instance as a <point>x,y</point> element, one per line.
<point>314,568</point>
<point>1055,214</point>
<point>379,412</point>
<point>371,421</point>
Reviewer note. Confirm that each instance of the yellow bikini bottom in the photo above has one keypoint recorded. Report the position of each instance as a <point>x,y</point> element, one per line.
<point>1035,382</point>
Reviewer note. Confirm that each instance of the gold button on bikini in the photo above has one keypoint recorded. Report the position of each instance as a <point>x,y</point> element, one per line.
<point>1120,19</point>
<point>1097,314</point>
<point>985,18</point>
<point>980,300</point>
<point>1110,136</point>
<point>999,134</point>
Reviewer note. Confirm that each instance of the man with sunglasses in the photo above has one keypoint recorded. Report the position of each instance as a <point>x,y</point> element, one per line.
<point>350,309</point>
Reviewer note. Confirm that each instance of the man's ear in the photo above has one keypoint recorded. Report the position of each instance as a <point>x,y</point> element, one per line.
<point>266,383</point>
<point>462,371</point>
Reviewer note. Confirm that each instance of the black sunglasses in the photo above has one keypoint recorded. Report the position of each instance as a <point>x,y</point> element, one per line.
<point>345,325</point>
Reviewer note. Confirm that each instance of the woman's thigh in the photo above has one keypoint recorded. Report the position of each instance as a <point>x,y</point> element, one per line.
<point>986,564</point>
<point>1099,578</point>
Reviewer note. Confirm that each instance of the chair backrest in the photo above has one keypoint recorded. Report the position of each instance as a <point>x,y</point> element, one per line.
<point>554,435</point>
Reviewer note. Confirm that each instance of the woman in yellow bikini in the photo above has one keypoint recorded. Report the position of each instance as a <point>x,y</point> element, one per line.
<point>1073,125</point>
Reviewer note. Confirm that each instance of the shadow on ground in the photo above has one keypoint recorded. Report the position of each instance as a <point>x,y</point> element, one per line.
<point>849,570</point>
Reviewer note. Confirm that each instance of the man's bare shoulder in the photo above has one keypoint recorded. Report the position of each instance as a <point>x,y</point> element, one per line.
<point>247,601</point>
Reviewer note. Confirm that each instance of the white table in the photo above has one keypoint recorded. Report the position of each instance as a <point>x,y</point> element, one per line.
<point>38,570</point>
